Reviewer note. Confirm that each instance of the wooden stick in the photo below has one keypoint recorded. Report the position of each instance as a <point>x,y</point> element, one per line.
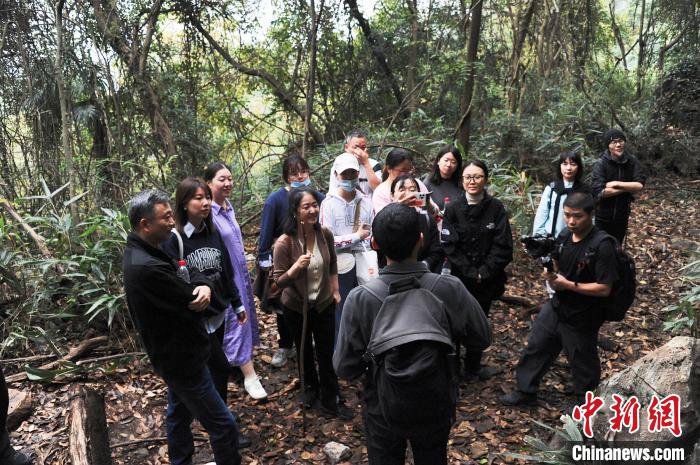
<point>38,240</point>
<point>136,442</point>
<point>84,347</point>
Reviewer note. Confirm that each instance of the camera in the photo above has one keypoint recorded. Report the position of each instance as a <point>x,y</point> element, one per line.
<point>540,246</point>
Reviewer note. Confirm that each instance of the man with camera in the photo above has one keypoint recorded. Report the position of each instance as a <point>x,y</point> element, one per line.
<point>587,269</point>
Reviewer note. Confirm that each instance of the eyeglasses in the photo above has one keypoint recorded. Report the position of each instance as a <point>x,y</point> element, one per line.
<point>470,178</point>
<point>617,142</point>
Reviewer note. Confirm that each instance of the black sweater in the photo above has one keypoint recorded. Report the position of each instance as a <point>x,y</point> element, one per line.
<point>173,335</point>
<point>205,252</point>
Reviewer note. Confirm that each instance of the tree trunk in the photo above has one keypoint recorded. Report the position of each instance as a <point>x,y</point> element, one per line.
<point>411,72</point>
<point>65,111</point>
<point>463,130</point>
<point>88,438</point>
<point>376,50</point>
<point>515,67</point>
<point>311,81</point>
<point>110,28</point>
<point>642,51</point>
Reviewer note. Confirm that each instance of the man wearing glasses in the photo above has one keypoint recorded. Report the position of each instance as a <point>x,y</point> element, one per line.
<point>617,176</point>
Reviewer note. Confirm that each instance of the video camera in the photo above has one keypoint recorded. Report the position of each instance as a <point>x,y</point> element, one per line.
<point>540,246</point>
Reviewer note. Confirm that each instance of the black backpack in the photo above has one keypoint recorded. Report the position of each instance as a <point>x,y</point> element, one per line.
<point>625,288</point>
<point>411,356</point>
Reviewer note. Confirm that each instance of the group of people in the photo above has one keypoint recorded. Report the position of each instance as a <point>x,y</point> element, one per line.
<point>189,290</point>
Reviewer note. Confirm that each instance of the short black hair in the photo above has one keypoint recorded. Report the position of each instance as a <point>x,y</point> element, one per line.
<point>143,205</point>
<point>295,196</point>
<point>478,164</point>
<point>456,178</point>
<point>573,156</point>
<point>580,200</point>
<point>401,180</point>
<point>396,230</point>
<point>292,162</point>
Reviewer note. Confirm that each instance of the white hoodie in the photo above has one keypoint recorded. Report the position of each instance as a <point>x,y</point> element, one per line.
<point>338,216</point>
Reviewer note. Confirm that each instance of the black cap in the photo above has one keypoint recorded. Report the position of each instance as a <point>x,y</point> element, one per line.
<point>612,134</point>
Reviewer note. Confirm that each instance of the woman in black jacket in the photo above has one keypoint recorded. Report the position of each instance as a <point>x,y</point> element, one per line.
<point>204,252</point>
<point>478,243</point>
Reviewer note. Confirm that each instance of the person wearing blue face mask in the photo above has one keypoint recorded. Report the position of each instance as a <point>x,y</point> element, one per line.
<point>347,212</point>
<point>295,172</point>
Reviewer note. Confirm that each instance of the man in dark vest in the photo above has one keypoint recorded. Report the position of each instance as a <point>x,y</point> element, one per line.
<point>617,176</point>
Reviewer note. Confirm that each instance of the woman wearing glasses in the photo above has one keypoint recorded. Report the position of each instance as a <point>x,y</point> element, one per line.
<point>478,243</point>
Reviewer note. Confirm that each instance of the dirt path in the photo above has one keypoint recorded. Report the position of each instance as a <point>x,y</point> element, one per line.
<point>662,227</point>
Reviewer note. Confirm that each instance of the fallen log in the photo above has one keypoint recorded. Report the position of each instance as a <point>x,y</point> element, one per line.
<point>88,440</point>
<point>84,347</point>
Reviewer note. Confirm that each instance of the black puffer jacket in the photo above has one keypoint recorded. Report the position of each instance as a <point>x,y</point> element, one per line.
<point>626,168</point>
<point>478,242</point>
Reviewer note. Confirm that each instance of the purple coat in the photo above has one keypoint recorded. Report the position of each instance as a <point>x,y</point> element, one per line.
<point>238,339</point>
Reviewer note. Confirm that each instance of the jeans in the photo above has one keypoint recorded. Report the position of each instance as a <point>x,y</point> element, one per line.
<point>196,397</point>
<point>346,282</point>
<point>219,367</point>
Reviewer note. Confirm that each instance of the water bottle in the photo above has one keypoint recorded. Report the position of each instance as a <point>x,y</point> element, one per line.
<point>182,272</point>
<point>446,267</point>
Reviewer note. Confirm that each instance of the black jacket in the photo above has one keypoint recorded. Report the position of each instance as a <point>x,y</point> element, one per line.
<point>173,335</point>
<point>205,252</point>
<point>627,169</point>
<point>477,240</point>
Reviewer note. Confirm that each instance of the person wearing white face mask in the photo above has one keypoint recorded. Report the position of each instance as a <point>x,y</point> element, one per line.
<point>296,174</point>
<point>347,212</point>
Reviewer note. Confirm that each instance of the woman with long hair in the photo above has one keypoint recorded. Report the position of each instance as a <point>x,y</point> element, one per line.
<point>445,180</point>
<point>239,338</point>
<point>398,162</point>
<point>203,251</point>
<point>549,219</point>
<point>306,271</point>
<point>295,173</point>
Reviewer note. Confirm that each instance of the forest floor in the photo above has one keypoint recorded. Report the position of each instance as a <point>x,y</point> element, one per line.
<point>664,227</point>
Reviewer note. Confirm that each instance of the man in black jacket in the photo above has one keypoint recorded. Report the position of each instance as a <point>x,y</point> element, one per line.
<point>166,311</point>
<point>396,231</point>
<point>617,175</point>
<point>571,319</point>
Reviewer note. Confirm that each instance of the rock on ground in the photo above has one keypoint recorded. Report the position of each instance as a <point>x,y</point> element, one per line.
<point>671,369</point>
<point>337,452</point>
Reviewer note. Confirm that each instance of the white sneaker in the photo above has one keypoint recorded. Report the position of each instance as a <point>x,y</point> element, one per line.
<point>254,388</point>
<point>280,358</point>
